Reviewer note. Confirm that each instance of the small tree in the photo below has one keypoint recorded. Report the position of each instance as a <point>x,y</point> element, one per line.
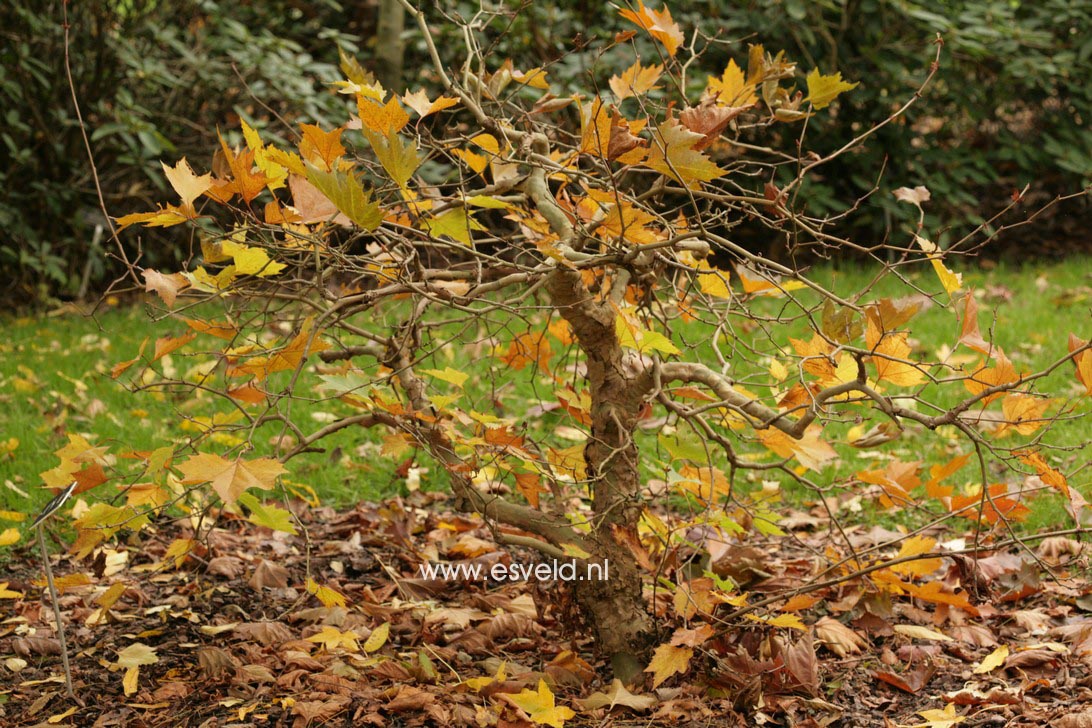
<point>585,243</point>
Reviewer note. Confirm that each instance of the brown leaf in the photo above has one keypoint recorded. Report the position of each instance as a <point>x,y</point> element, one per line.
<point>214,662</point>
<point>911,681</point>
<point>269,575</point>
<point>709,120</point>
<point>229,567</point>
<point>838,638</point>
<point>268,634</point>
<point>321,711</point>
<point>410,698</point>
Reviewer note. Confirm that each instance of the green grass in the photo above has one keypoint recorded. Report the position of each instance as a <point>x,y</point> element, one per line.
<point>55,380</point>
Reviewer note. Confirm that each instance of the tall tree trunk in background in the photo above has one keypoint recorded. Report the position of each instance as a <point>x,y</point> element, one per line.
<point>388,45</point>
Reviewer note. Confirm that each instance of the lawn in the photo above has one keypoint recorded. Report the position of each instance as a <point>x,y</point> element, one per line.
<point>55,379</point>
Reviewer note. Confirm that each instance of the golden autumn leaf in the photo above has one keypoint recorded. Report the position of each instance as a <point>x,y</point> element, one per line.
<point>185,182</point>
<point>822,90</point>
<point>659,25</point>
<point>328,596</point>
<point>540,706</point>
<point>1083,362</point>
<point>992,661</point>
<point>331,638</point>
<point>230,478</point>
<point>891,357</point>
<point>673,153</point>
<point>668,660</point>
<point>984,378</point>
<point>732,89</point>
<point>321,148</point>
<point>382,119</point>
<point>1023,413</point>
<point>810,450</point>
<point>636,80</point>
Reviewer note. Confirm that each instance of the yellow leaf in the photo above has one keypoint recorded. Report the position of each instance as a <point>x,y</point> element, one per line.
<point>659,25</point>
<point>731,89</point>
<point>672,153</point>
<point>55,719</point>
<point>321,148</point>
<point>13,516</point>
<point>230,478</point>
<point>635,80</point>
<point>331,638</point>
<point>824,89</point>
<point>187,184</point>
<point>137,654</point>
<point>163,217</point>
<point>248,260</point>
<point>539,706</point>
<point>715,284</point>
<point>790,621</point>
<point>378,637</point>
<point>6,593</point>
<point>1023,413</point>
<point>811,451</point>
<point>449,375</point>
<point>992,661</point>
<point>129,682</point>
<point>952,282</point>
<point>668,660</point>
<point>477,683</point>
<point>915,546</point>
<point>329,597</point>
<point>893,347</point>
<point>534,77</point>
<point>9,536</point>
<point>941,718</point>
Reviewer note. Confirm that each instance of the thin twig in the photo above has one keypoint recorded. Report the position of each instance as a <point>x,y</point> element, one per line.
<point>56,612</point>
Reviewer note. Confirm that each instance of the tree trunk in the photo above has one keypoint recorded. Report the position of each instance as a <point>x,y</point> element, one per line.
<point>389,49</point>
<point>615,607</point>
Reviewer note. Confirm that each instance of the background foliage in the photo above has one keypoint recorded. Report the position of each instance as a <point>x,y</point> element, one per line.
<point>1010,101</point>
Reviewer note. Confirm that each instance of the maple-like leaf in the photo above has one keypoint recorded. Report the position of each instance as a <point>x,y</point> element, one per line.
<point>636,80</point>
<point>167,286</point>
<point>659,25</point>
<point>709,120</point>
<point>810,450</point>
<point>945,718</point>
<point>822,90</point>
<point>673,153</point>
<point>891,357</point>
<point>668,660</point>
<point>540,707</point>
<point>321,148</point>
<point>419,102</point>
<point>348,195</point>
<point>382,119</point>
<point>732,89</point>
<point>331,638</point>
<point>230,478</point>
<point>1023,413</point>
<point>185,182</point>
<point>617,695</point>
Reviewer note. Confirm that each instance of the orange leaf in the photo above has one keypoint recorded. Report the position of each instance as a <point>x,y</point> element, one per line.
<point>166,344</point>
<point>1083,362</point>
<point>382,119</point>
<point>659,25</point>
<point>231,477</point>
<point>668,660</point>
<point>321,148</point>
